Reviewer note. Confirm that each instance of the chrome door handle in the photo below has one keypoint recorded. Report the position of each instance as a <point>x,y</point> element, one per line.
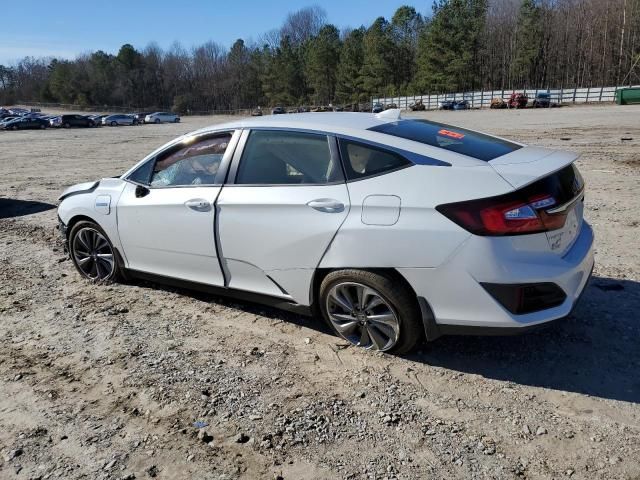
<point>327,205</point>
<point>198,204</point>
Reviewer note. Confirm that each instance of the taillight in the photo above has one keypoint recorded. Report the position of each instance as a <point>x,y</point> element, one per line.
<point>511,214</point>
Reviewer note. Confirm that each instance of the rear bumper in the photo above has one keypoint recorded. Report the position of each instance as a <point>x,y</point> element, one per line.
<point>459,304</point>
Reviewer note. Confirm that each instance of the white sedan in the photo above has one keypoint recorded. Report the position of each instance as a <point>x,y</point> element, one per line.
<point>393,230</point>
<point>162,117</point>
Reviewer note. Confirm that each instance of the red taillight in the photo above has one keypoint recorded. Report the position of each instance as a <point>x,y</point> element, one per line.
<point>510,214</point>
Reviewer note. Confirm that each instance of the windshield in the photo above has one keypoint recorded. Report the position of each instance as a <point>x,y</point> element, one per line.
<point>455,139</point>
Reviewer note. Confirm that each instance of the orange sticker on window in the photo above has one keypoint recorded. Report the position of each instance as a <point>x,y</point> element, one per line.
<point>449,133</point>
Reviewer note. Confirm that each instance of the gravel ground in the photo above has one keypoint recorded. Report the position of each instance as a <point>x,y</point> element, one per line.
<point>142,381</point>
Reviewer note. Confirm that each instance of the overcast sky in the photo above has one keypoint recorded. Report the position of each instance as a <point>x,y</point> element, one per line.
<point>69,27</point>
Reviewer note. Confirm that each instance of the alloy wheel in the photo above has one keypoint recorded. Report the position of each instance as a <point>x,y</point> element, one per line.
<point>362,316</point>
<point>93,254</point>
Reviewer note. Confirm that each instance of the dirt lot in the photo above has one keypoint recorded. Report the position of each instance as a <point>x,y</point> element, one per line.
<point>107,381</point>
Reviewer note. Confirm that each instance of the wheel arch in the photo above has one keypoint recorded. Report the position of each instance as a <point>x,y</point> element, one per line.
<point>74,220</point>
<point>428,319</point>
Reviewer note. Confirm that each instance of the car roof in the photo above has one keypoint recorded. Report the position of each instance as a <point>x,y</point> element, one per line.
<point>349,124</point>
<point>335,122</point>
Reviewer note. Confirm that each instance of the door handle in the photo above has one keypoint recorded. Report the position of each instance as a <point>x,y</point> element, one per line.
<point>327,205</point>
<point>198,204</point>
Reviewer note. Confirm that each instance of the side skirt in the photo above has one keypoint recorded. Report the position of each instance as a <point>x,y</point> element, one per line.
<point>225,292</point>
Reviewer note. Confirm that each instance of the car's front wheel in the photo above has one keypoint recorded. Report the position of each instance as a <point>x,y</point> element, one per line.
<point>92,252</point>
<point>371,310</point>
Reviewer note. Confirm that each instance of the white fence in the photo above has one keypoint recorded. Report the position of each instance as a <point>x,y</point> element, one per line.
<point>483,98</point>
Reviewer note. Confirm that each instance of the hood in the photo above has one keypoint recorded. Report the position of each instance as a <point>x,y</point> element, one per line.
<point>79,188</point>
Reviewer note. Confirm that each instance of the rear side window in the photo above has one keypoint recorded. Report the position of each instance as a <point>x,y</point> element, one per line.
<point>273,157</point>
<point>454,139</point>
<point>362,160</point>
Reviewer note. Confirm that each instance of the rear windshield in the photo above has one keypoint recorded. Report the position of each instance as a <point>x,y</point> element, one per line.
<point>454,139</point>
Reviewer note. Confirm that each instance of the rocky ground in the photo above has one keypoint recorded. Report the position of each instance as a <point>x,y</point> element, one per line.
<point>142,381</point>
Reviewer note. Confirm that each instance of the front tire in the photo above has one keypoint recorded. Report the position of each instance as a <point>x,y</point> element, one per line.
<point>371,310</point>
<point>92,253</point>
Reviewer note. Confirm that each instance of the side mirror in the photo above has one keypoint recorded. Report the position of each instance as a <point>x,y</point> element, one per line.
<point>142,191</point>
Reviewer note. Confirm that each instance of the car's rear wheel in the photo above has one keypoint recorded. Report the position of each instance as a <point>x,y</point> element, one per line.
<point>92,252</point>
<point>15,127</point>
<point>371,310</point>
<point>177,120</point>
<point>42,127</point>
<point>66,125</point>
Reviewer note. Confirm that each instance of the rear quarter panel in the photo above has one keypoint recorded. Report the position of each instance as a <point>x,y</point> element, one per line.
<point>421,236</point>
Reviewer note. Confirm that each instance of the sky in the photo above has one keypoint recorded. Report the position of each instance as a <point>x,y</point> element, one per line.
<point>66,28</point>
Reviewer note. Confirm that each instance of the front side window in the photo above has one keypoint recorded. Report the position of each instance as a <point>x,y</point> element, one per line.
<point>362,160</point>
<point>287,158</point>
<point>194,163</point>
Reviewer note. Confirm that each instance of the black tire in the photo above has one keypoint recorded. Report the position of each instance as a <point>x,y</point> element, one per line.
<point>114,124</point>
<point>157,120</point>
<point>42,127</point>
<point>114,274</point>
<point>177,120</point>
<point>401,300</point>
<point>66,125</point>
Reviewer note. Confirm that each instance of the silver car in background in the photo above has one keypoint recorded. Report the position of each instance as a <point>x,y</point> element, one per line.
<point>119,119</point>
<point>162,117</point>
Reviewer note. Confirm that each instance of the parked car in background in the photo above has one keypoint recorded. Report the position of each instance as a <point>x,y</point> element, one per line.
<point>377,108</point>
<point>23,123</point>
<point>464,232</point>
<point>256,112</point>
<point>18,111</point>
<point>417,106</point>
<point>7,119</point>
<point>119,119</point>
<point>498,103</point>
<point>142,116</point>
<point>72,120</point>
<point>461,105</point>
<point>97,119</point>
<point>162,117</point>
<point>278,111</point>
<point>517,100</point>
<point>446,104</point>
<point>542,99</point>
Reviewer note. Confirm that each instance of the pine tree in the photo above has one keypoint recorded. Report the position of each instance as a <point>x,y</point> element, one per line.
<point>348,82</point>
<point>322,55</point>
<point>448,48</point>
<point>529,39</point>
<point>378,61</point>
<point>406,26</point>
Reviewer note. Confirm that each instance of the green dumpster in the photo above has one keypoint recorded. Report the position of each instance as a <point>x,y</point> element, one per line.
<point>628,96</point>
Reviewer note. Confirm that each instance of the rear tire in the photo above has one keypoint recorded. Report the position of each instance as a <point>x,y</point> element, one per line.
<point>371,310</point>
<point>92,253</point>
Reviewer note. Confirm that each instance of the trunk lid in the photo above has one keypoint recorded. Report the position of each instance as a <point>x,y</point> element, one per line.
<point>528,164</point>
<point>554,172</point>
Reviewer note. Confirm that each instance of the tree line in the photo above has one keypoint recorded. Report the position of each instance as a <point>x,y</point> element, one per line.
<point>460,45</point>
